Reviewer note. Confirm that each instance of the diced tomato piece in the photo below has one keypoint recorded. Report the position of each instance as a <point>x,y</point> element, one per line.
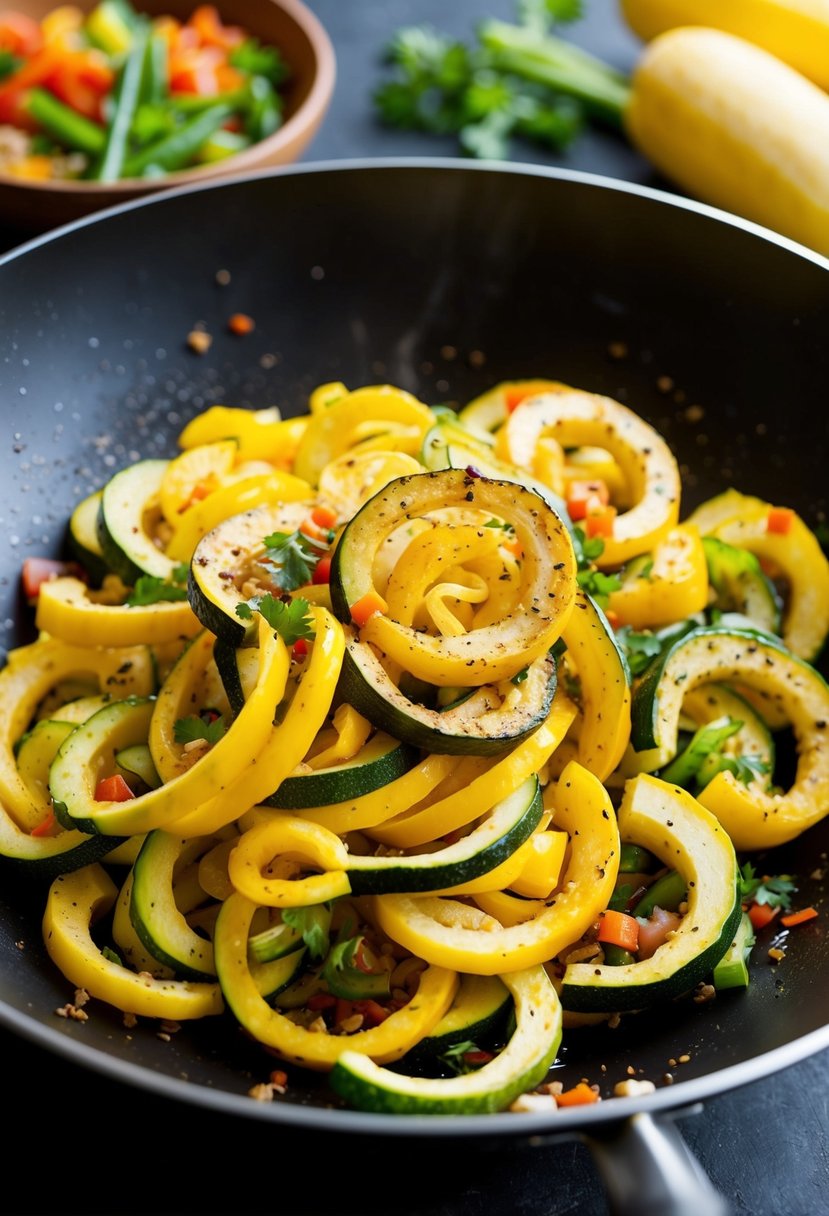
<point>477,1058</point>
<point>586,497</point>
<point>322,571</point>
<point>20,34</point>
<point>46,826</point>
<point>195,71</point>
<point>761,915</point>
<point>113,789</point>
<point>513,545</point>
<point>321,1000</point>
<point>373,1012</point>
<point>299,648</point>
<point>207,23</point>
<point>779,520</point>
<point>39,570</point>
<point>344,1010</point>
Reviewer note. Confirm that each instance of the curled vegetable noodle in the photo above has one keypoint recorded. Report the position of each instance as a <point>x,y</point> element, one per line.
<point>413,738</point>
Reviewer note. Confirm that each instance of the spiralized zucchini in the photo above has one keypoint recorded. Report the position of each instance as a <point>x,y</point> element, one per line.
<point>344,730</point>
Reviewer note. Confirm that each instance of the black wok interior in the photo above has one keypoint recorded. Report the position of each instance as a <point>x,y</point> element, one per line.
<point>441,278</point>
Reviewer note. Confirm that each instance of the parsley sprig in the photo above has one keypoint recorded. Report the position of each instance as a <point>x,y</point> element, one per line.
<point>776,890</point>
<point>205,726</point>
<point>598,585</point>
<point>290,558</point>
<point>149,589</point>
<point>291,619</point>
<point>512,81</point>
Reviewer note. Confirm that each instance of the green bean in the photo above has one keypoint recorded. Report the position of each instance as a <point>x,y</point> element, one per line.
<point>65,125</point>
<point>667,892</point>
<point>633,859</point>
<point>126,100</point>
<point>615,956</point>
<point>263,111</point>
<point>155,78</point>
<point>178,149</point>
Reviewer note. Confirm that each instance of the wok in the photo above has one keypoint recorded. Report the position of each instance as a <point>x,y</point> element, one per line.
<point>443,278</point>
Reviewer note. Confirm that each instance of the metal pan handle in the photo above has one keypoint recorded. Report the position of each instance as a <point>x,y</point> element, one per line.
<point>648,1170</point>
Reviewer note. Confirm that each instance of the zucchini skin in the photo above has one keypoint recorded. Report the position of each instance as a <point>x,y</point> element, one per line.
<point>388,709</point>
<point>735,127</point>
<point>326,786</point>
<point>380,875</point>
<point>645,708</point>
<point>666,818</point>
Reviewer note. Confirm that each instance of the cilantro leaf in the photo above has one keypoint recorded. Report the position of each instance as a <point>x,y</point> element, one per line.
<point>598,585</point>
<point>291,619</point>
<point>588,548</point>
<point>149,589</point>
<point>707,742</point>
<point>640,648</point>
<point>186,730</point>
<point>744,768</point>
<point>776,891</point>
<point>314,923</point>
<point>454,1058</point>
<point>290,558</point>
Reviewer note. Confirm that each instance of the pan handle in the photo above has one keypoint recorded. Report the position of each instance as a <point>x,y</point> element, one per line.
<point>648,1170</point>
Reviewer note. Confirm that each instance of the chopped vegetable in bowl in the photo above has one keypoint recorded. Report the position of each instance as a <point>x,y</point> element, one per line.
<point>113,94</point>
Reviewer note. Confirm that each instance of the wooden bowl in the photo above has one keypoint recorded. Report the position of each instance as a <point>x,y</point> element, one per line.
<point>31,207</point>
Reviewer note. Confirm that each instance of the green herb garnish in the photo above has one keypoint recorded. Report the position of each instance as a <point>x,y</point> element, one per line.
<point>291,619</point>
<point>208,727</point>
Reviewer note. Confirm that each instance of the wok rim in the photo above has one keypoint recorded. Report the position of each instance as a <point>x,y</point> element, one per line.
<point>442,163</point>
<point>568,1123</point>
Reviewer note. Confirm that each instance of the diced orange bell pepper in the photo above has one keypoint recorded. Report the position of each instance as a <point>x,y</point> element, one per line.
<point>212,31</point>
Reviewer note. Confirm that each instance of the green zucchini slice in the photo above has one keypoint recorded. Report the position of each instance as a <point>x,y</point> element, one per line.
<point>492,652</point>
<point>156,918</point>
<point>672,824</point>
<point>476,724</point>
<point>225,559</point>
<point>478,1014</point>
<point>382,759</point>
<point>732,969</point>
<point>495,838</point>
<point>741,586</point>
<point>128,511</point>
<point>83,538</point>
<point>520,1066</point>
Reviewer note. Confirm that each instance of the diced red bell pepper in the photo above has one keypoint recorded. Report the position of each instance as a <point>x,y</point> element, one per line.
<point>113,789</point>
<point>39,570</point>
<point>322,571</point>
